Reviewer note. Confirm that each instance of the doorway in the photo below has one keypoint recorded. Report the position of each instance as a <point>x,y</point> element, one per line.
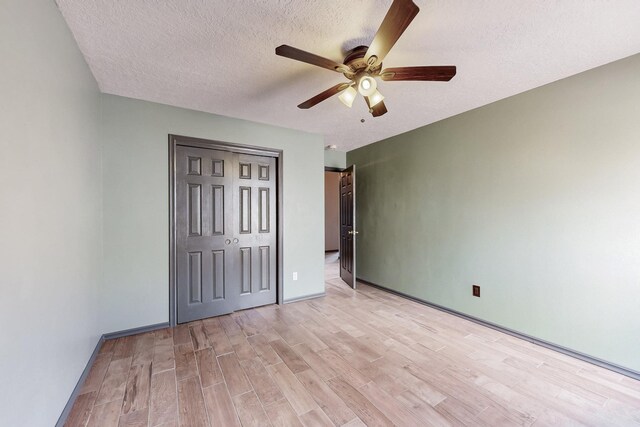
<point>226,246</point>
<point>332,224</point>
<point>340,232</point>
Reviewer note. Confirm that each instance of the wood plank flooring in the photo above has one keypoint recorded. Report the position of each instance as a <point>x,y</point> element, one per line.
<point>348,359</point>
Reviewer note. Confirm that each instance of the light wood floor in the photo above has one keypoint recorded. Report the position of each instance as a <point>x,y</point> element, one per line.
<point>351,358</point>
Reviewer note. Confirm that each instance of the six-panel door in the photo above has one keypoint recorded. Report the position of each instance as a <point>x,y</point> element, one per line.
<point>347,226</point>
<point>256,230</point>
<point>225,232</point>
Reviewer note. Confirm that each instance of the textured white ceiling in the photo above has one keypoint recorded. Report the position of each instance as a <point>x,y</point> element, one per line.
<point>218,56</point>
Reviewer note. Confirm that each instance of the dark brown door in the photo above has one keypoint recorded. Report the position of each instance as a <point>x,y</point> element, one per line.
<point>225,232</point>
<point>347,226</point>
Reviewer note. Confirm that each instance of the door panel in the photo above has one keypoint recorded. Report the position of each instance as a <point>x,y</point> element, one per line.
<point>225,232</point>
<point>265,268</point>
<point>257,229</point>
<point>218,266</point>
<point>203,198</point>
<point>347,226</point>
<point>245,271</point>
<point>217,209</point>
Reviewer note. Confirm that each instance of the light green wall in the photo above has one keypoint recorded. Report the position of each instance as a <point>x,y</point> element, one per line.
<point>136,204</point>
<point>535,198</point>
<point>50,219</point>
<point>335,159</point>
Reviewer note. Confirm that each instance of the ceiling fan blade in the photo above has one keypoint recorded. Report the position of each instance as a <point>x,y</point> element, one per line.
<point>310,58</point>
<point>324,95</point>
<point>439,73</point>
<point>398,18</point>
<point>378,110</point>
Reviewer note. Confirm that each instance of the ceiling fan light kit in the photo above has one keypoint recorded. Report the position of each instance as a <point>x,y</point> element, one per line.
<point>375,98</point>
<point>347,96</point>
<point>367,85</point>
<point>364,63</point>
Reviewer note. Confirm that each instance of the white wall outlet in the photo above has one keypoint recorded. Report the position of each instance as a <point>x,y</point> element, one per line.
<point>295,275</point>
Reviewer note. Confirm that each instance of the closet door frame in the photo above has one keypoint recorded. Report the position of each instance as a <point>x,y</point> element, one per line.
<point>174,142</point>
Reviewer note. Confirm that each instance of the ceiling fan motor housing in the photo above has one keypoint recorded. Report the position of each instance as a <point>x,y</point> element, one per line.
<point>355,60</point>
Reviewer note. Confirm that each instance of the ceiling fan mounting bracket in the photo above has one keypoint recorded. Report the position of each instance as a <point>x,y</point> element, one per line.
<point>357,52</point>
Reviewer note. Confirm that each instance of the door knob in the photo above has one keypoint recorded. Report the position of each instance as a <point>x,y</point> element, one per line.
<point>228,242</point>
<point>235,240</point>
<point>353,232</point>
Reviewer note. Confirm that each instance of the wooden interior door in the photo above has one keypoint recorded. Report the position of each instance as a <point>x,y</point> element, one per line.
<point>347,226</point>
<point>226,237</point>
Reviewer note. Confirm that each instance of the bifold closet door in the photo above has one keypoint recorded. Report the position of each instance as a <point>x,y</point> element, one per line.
<point>256,230</point>
<point>225,232</point>
<point>204,232</point>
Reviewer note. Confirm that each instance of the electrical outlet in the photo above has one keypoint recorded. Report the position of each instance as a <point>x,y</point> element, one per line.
<point>295,275</point>
<point>476,291</point>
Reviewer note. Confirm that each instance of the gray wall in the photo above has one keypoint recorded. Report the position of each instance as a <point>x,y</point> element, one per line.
<point>75,163</point>
<point>335,159</point>
<point>136,204</point>
<point>331,211</point>
<point>50,215</point>
<point>535,198</point>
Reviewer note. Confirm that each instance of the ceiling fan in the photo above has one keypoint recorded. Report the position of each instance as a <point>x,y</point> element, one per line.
<point>363,64</point>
